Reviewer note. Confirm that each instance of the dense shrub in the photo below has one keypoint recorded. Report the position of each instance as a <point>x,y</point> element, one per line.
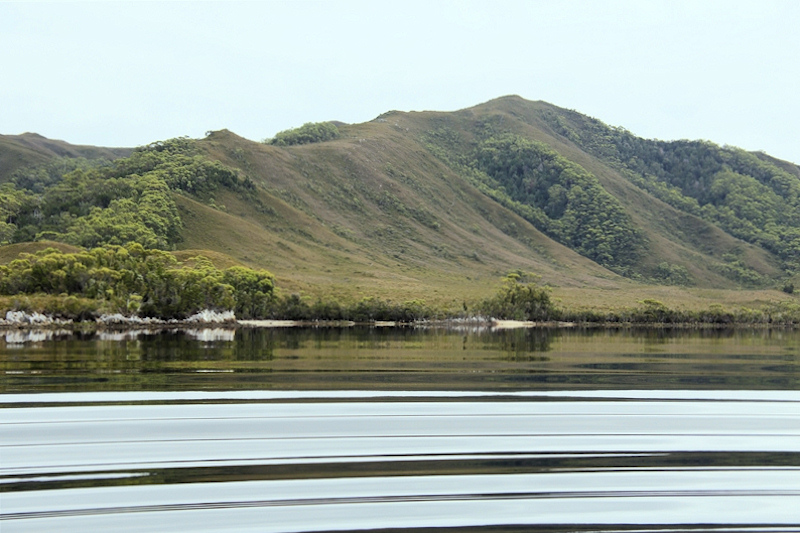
<point>310,132</point>
<point>134,280</point>
<point>670,274</point>
<point>370,309</point>
<point>520,299</point>
<point>568,202</point>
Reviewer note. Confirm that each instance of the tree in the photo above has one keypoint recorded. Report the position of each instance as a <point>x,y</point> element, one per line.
<point>520,298</point>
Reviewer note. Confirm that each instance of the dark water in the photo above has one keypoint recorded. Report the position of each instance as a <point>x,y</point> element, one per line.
<point>400,429</point>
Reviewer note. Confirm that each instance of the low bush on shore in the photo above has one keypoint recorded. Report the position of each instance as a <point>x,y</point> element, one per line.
<point>133,281</point>
<point>370,309</point>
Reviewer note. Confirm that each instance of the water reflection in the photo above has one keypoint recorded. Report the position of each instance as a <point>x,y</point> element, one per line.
<point>212,335</point>
<point>16,337</point>
<point>398,359</point>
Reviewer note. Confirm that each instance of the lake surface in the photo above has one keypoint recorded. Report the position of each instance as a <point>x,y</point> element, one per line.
<point>400,429</point>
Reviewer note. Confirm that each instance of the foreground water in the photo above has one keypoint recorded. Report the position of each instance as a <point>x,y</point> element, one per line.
<point>377,429</point>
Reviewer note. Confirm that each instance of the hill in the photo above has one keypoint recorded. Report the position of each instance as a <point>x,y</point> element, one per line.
<point>30,149</point>
<point>438,206</point>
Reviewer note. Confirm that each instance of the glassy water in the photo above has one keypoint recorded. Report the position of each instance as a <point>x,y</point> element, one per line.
<point>400,429</point>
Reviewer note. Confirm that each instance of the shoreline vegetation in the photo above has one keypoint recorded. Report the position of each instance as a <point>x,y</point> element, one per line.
<point>476,323</point>
<point>131,286</point>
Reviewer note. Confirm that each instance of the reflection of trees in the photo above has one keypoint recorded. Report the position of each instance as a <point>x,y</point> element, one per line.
<point>374,357</point>
<point>254,345</point>
<point>523,343</point>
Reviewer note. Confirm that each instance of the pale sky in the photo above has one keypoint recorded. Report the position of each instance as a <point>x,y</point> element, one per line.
<point>128,73</point>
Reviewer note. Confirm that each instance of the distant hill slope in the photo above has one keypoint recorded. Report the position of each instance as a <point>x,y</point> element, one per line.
<point>10,252</point>
<point>438,206</point>
<point>18,151</point>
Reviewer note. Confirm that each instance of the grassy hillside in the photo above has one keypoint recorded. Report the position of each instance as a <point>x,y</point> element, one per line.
<point>378,215</point>
<point>439,206</point>
<point>29,149</point>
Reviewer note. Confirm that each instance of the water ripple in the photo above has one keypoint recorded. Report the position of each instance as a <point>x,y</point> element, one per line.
<point>289,461</point>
